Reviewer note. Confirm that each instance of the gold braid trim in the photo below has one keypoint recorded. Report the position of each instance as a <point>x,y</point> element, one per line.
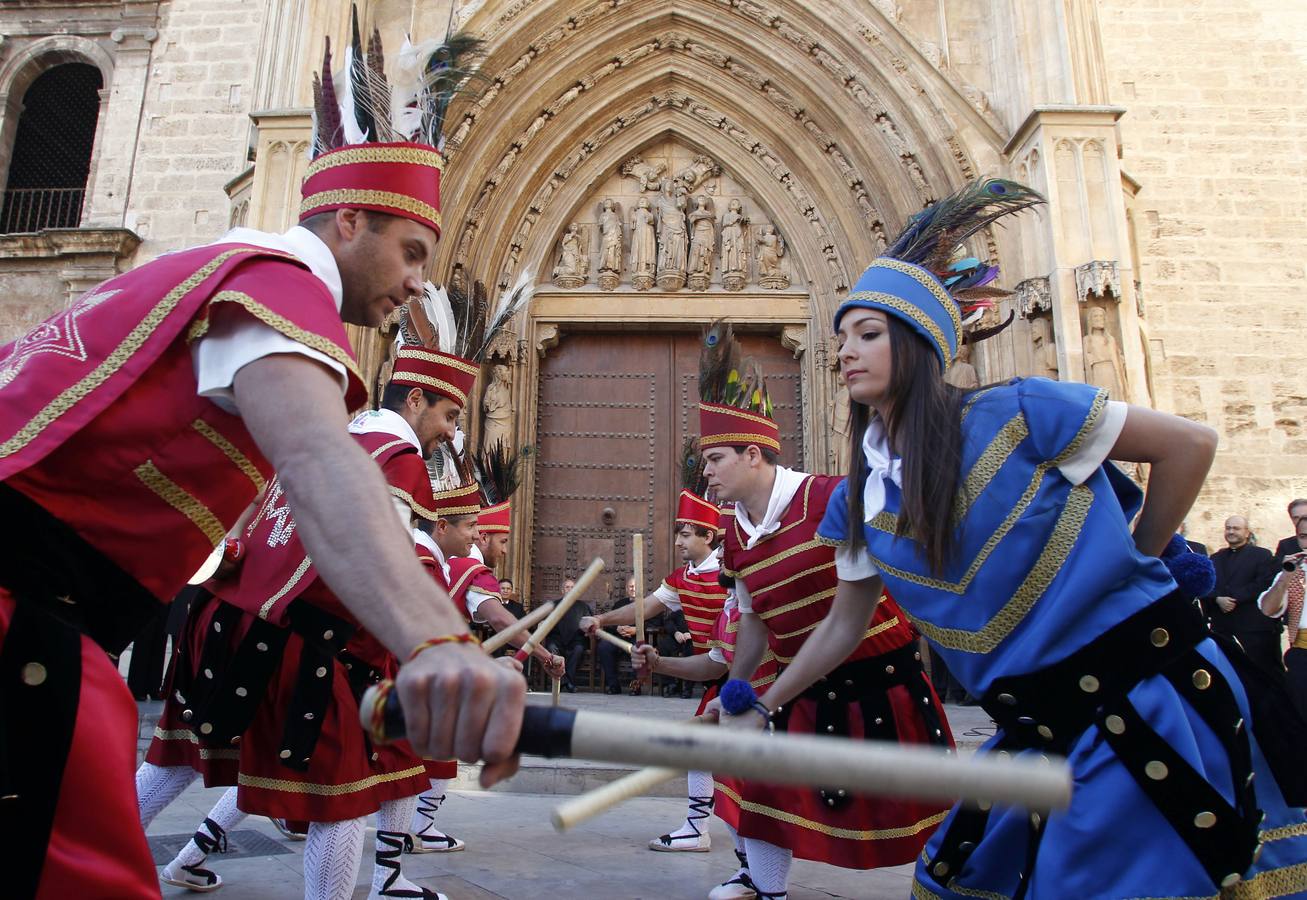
<point>231,451</point>
<point>986,467</point>
<point>848,834</point>
<point>415,156</point>
<point>429,514</point>
<point>117,358</point>
<point>184,735</point>
<point>797,604</point>
<point>182,500</point>
<point>438,385</point>
<point>441,359</point>
<point>290,329</point>
<point>1284,833</point>
<point>892,622</point>
<point>929,282</point>
<point>733,439</point>
<point>384,447</point>
<point>326,790</point>
<point>913,312</point>
<point>830,542</point>
<point>285,588</point>
<point>784,554</point>
<point>359,197</point>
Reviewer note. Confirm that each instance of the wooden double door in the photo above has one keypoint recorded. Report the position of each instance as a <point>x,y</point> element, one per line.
<point>614,413</point>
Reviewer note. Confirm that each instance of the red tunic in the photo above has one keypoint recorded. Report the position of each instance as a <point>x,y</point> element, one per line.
<point>101,426</point>
<point>702,597</point>
<point>465,574</point>
<point>790,576</point>
<point>443,768</point>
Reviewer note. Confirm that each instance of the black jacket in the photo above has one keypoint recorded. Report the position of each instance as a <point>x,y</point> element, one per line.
<point>1286,547</point>
<point>1242,574</point>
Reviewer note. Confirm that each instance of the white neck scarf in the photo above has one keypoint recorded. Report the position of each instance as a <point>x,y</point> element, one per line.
<point>385,421</point>
<point>782,492</point>
<point>881,465</point>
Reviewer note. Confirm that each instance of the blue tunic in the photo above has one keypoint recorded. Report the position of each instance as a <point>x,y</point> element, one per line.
<point>1042,568</point>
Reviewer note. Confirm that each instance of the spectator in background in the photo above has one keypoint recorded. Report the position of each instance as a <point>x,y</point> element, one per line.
<point>1289,546</point>
<point>1243,572</point>
<point>566,640</point>
<point>675,640</point>
<point>508,595</point>
<point>610,657</point>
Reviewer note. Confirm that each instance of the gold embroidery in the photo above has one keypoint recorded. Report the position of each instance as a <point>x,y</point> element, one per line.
<point>921,892</point>
<point>416,156</point>
<point>438,385</point>
<point>929,282</point>
<point>848,834</point>
<point>443,359</point>
<point>745,414</point>
<point>429,514</point>
<point>285,588</point>
<point>1271,883</point>
<point>327,790</point>
<point>1041,575</point>
<point>733,438</point>
<point>70,396</point>
<point>892,622</point>
<point>182,500</point>
<point>199,328</point>
<point>913,312</point>
<point>1284,832</point>
<point>232,452</point>
<point>184,735</point>
<point>782,555</point>
<point>795,578</point>
<point>830,542</point>
<point>370,198</point>
<point>986,467</point>
<point>384,447</point>
<point>965,891</point>
<point>290,329</point>
<point>798,604</point>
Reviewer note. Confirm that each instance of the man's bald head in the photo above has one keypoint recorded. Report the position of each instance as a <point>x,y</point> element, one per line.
<point>1236,531</point>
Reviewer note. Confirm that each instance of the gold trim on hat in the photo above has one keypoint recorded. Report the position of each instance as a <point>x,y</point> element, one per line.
<point>914,312</point>
<point>363,197</point>
<point>710,440</point>
<point>438,385</point>
<point>417,156</point>
<point>926,280</point>
<point>444,359</point>
<point>736,411</point>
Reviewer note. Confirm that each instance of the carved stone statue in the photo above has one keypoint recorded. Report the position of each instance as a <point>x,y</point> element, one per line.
<point>644,246</point>
<point>673,239</point>
<point>703,238</point>
<point>1043,350</point>
<point>733,251</point>
<point>610,252</point>
<point>840,426</point>
<point>1103,365</point>
<point>645,173</point>
<point>771,247</point>
<point>962,373</point>
<point>573,266</point>
<point>497,408</point>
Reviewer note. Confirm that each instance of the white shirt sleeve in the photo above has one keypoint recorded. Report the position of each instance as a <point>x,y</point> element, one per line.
<point>1284,598</point>
<point>717,655</point>
<point>234,342</point>
<point>668,597</point>
<point>474,600</point>
<point>1097,444</point>
<point>854,565</point>
<point>742,597</point>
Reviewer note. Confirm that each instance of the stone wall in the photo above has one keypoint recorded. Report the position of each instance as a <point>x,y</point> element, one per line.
<point>1216,132</point>
<point>195,126</point>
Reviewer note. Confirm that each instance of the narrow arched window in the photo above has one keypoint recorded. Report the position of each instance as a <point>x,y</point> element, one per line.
<point>52,150</point>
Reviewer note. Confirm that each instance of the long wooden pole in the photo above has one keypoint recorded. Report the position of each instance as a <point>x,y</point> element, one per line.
<point>637,564</point>
<point>502,637</point>
<point>614,640</point>
<point>585,807</point>
<point>542,630</point>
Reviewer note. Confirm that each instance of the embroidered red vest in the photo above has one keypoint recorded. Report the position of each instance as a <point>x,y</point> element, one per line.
<point>702,597</point>
<point>100,422</point>
<point>465,572</point>
<point>791,578</point>
<point>433,567</point>
<point>277,568</point>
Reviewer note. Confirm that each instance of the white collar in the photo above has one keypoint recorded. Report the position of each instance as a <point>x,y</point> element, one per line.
<point>783,489</point>
<point>300,243</point>
<point>881,464</point>
<point>384,421</point>
<point>429,542</point>
<point>477,554</point>
<point>710,564</point>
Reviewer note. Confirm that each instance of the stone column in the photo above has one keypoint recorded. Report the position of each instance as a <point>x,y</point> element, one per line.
<point>118,127</point>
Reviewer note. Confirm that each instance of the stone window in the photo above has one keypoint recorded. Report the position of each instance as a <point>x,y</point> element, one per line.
<point>51,158</point>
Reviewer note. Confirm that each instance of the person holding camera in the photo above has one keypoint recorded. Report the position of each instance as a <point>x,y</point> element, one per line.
<point>1284,600</point>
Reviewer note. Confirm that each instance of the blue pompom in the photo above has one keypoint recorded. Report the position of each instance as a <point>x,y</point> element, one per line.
<point>1175,546</point>
<point>737,697</point>
<point>1193,573</point>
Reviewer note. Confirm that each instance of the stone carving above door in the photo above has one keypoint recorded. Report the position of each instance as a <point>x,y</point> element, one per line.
<point>670,219</point>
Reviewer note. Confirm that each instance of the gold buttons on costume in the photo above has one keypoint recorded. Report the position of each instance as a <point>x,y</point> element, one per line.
<point>208,673</point>
<point>261,647</point>
<point>308,717</point>
<point>321,672</point>
<point>186,715</point>
<point>1089,684</point>
<point>1035,820</point>
<point>1045,732</point>
<point>1202,679</point>
<point>848,682</point>
<point>1160,637</point>
<point>831,695</point>
<point>217,626</point>
<point>880,721</point>
<point>940,869</point>
<point>328,634</point>
<point>1231,880</point>
<point>1007,699</point>
<point>830,729</point>
<point>1205,820</point>
<point>1156,770</point>
<point>1115,724</point>
<point>34,674</point>
<point>285,754</point>
<point>889,670</point>
<point>241,692</point>
<point>376,756</point>
<point>206,728</point>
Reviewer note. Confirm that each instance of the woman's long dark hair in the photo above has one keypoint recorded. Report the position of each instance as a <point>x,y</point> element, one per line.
<point>925,431</point>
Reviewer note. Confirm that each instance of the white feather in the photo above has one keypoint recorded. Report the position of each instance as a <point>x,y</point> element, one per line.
<point>435,301</point>
<point>345,85</point>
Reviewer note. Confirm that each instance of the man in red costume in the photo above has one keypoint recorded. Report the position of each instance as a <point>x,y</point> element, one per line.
<point>695,590</point>
<point>784,585</point>
<point>135,428</point>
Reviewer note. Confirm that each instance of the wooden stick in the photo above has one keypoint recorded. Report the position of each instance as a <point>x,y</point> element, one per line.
<point>586,806</point>
<point>556,690</point>
<point>870,768</point>
<point>614,640</point>
<point>637,563</point>
<point>542,630</point>
<point>501,638</point>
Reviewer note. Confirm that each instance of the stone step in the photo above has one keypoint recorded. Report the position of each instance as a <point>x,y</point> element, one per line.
<point>971,727</point>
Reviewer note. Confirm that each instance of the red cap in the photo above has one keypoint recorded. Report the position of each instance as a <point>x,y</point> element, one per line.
<point>464,500</point>
<point>399,179</point>
<point>443,373</point>
<point>691,509</point>
<point>495,519</point>
<point>729,426</point>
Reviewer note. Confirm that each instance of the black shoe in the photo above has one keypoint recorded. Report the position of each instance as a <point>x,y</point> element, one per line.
<point>612,689</point>
<point>569,687</point>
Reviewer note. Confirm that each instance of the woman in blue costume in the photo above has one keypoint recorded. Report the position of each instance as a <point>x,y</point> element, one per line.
<point>997,521</point>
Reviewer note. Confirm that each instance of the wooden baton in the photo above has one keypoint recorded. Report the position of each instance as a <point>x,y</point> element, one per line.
<point>501,638</point>
<point>614,640</point>
<point>874,768</point>
<point>542,630</point>
<point>588,805</point>
<point>637,564</point>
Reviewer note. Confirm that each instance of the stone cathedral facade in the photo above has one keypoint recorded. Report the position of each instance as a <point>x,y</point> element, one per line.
<point>659,163</point>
